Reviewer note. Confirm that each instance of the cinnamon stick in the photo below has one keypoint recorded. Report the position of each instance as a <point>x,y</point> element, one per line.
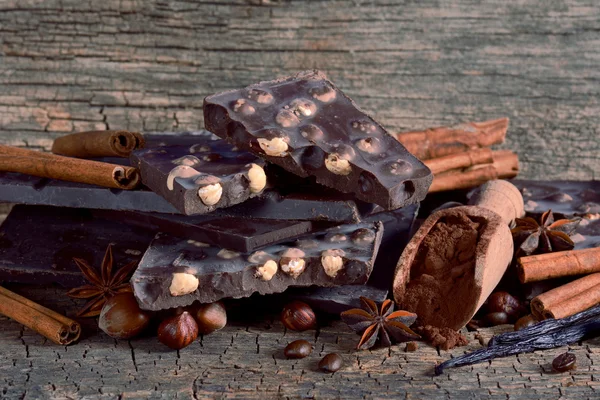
<point>559,264</point>
<point>98,144</point>
<point>443,141</point>
<point>505,166</point>
<point>48,323</point>
<point>568,299</point>
<point>460,160</point>
<point>46,165</point>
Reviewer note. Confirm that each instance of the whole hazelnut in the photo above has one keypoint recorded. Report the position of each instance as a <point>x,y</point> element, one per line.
<point>122,318</point>
<point>525,322</point>
<point>298,349</point>
<point>178,331</point>
<point>210,194</point>
<point>210,317</point>
<point>496,318</point>
<point>506,303</point>
<point>298,316</point>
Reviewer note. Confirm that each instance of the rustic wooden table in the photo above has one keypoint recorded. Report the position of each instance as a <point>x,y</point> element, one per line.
<point>69,66</point>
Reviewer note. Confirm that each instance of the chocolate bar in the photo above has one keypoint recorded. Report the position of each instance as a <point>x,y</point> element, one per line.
<point>334,300</point>
<point>564,197</point>
<point>38,244</point>
<point>175,272</point>
<point>198,179</point>
<point>309,127</point>
<point>239,234</point>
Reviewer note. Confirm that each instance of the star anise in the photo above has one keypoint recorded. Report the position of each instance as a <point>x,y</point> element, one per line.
<point>545,236</point>
<point>383,323</point>
<point>103,286</point>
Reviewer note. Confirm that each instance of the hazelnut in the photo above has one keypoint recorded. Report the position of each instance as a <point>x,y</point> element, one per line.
<point>506,303</point>
<point>267,271</point>
<point>183,283</point>
<point>276,147</point>
<point>311,132</point>
<point>332,261</point>
<point>399,167</point>
<point>298,349</point>
<point>369,145</point>
<point>525,322</point>
<point>227,254</point>
<point>337,165</point>
<point>292,263</point>
<point>257,178</point>
<point>122,318</point>
<point>331,363</point>
<point>287,119</point>
<point>496,318</point>
<point>178,331</point>
<point>210,317</point>
<point>335,238</point>
<point>298,316</point>
<point>241,106</point>
<point>324,94</point>
<point>180,171</point>
<point>303,107</point>
<point>187,160</point>
<point>363,236</point>
<point>259,257</point>
<point>210,194</point>
<point>260,96</point>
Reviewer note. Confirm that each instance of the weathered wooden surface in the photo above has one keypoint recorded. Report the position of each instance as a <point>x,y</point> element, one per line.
<point>70,65</point>
<point>246,361</point>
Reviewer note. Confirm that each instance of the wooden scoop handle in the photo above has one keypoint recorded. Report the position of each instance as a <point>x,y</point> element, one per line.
<point>501,197</point>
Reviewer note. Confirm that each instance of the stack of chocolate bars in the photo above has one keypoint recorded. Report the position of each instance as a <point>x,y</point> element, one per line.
<point>290,186</point>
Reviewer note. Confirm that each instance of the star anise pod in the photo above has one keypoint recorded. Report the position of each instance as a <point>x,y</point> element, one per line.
<point>545,236</point>
<point>103,285</point>
<point>383,323</point>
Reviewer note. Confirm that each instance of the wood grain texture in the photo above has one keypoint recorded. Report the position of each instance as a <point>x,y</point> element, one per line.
<point>70,65</point>
<point>245,360</point>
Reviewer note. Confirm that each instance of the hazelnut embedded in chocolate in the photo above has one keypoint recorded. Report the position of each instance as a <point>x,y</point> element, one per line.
<point>210,194</point>
<point>287,118</point>
<point>323,93</point>
<point>303,107</point>
<point>241,106</point>
<point>228,254</point>
<point>332,261</point>
<point>292,262</point>
<point>260,96</point>
<point>188,160</point>
<point>370,145</point>
<point>337,165</point>
<point>267,271</point>
<point>183,283</point>
<point>257,179</point>
<point>363,236</point>
<point>399,167</point>
<point>180,171</point>
<point>276,147</point>
<point>311,132</point>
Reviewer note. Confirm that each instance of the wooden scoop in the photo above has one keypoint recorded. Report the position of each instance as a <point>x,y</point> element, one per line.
<point>493,206</point>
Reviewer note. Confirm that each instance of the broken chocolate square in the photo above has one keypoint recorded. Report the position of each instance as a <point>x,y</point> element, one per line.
<point>309,127</point>
<point>176,272</point>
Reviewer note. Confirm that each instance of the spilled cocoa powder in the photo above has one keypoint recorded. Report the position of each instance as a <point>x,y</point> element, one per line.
<point>442,276</point>
<point>444,338</point>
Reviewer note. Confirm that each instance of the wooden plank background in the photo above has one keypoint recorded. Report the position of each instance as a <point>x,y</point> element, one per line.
<point>69,66</point>
<point>74,65</point>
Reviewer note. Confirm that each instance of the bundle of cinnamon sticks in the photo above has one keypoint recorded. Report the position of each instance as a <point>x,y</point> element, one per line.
<point>459,157</point>
<point>569,299</point>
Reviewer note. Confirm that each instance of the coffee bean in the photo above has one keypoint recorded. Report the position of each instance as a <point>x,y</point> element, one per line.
<point>525,322</point>
<point>331,363</point>
<point>298,349</point>
<point>564,362</point>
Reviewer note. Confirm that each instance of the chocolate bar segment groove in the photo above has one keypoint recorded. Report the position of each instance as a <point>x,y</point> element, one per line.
<point>309,127</point>
<point>176,272</point>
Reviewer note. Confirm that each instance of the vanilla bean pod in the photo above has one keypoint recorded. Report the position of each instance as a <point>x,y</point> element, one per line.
<point>547,334</point>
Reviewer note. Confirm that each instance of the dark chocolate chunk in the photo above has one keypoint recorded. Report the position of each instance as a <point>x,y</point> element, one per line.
<point>569,198</point>
<point>174,272</point>
<point>239,234</point>
<point>309,127</point>
<point>38,244</point>
<point>26,189</point>
<point>198,179</point>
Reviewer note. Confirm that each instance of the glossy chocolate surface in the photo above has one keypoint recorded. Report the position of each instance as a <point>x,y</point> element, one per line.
<point>309,127</point>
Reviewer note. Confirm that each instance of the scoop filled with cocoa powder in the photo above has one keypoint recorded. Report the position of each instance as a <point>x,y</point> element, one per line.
<point>457,257</point>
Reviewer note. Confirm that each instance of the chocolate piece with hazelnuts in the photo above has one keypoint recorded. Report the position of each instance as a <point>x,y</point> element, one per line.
<point>306,125</point>
<point>200,178</point>
<point>175,272</point>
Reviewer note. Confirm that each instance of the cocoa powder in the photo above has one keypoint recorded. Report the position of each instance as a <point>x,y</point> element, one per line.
<point>442,275</point>
<point>444,338</point>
